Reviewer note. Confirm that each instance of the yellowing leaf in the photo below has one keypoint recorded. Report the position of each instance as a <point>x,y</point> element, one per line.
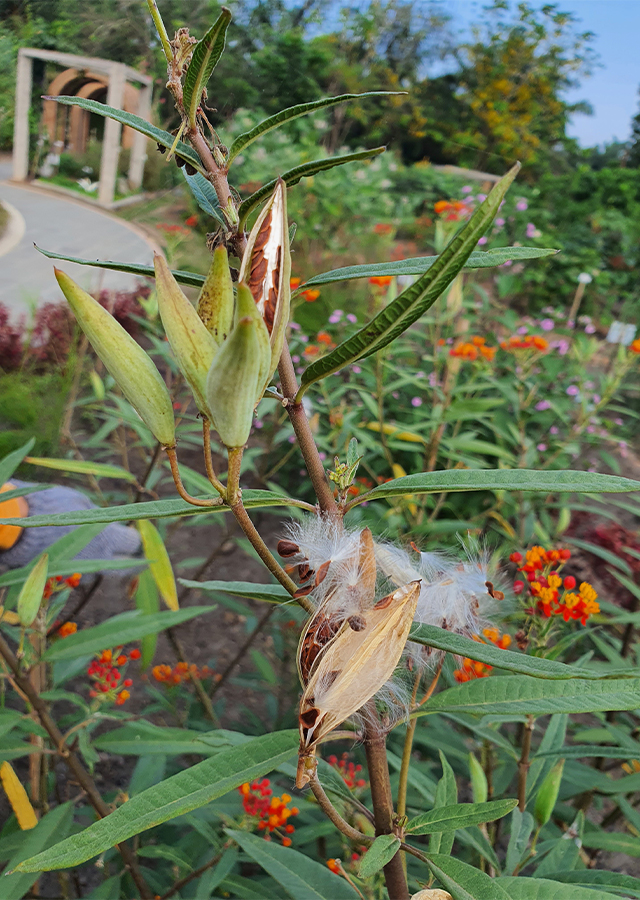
<point>159,563</point>
<point>32,590</point>
<point>410,437</point>
<point>398,471</point>
<point>9,616</point>
<point>17,797</point>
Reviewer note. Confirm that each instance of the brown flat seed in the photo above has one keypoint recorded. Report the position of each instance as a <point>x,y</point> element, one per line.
<point>322,572</point>
<point>386,601</point>
<point>497,595</point>
<point>287,548</point>
<point>303,591</point>
<point>357,623</point>
<point>304,571</point>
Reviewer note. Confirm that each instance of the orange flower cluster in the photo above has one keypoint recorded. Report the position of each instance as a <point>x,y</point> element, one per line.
<point>472,668</point>
<point>310,294</point>
<point>271,812</point>
<point>635,346</point>
<point>173,229</point>
<point>191,222</point>
<point>381,280</point>
<point>452,210</point>
<point>347,770</point>
<point>325,342</point>
<point>553,595</point>
<point>67,628</point>
<point>53,585</point>
<point>382,228</point>
<point>473,348</point>
<point>526,342</point>
<point>108,684</point>
<point>294,283</point>
<point>181,672</point>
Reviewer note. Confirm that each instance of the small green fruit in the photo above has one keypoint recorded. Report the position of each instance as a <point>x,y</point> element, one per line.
<point>215,303</point>
<point>246,307</point>
<point>548,794</point>
<point>479,785</point>
<point>30,596</point>
<point>134,372</point>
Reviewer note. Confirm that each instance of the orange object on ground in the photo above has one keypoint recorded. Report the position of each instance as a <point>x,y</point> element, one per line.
<point>17,508</point>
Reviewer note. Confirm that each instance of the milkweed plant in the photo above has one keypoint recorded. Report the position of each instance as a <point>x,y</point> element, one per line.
<point>403,651</point>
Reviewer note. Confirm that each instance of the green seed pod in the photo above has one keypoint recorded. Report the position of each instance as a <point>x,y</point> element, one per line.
<point>30,596</point>
<point>548,794</point>
<point>266,268</point>
<point>133,370</point>
<point>479,786</point>
<point>191,343</point>
<point>246,307</point>
<point>232,383</point>
<point>215,303</point>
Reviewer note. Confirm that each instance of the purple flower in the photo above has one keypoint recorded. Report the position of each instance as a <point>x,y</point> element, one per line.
<point>356,370</point>
<point>304,338</point>
<point>531,230</point>
<point>416,401</point>
<point>291,439</point>
<point>295,359</point>
<point>563,347</point>
<point>482,197</point>
<point>499,222</point>
<point>523,329</point>
<point>467,189</point>
<point>618,422</point>
<point>589,385</point>
<point>590,329</point>
<point>334,319</point>
<point>483,240</point>
<point>505,265</point>
<point>294,326</point>
<point>541,447</point>
<point>395,395</point>
<point>351,318</point>
<point>596,398</point>
<point>545,324</point>
<point>554,430</point>
<point>521,205</point>
<point>573,390</point>
<point>541,405</point>
<point>322,455</point>
<point>591,429</point>
<point>433,380</point>
<point>258,423</point>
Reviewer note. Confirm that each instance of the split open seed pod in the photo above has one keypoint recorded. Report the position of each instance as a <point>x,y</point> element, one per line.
<point>266,269</point>
<point>215,303</point>
<point>191,343</point>
<point>134,371</point>
<point>351,669</point>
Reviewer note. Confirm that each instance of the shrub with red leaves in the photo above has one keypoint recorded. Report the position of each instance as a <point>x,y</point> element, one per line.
<point>52,335</point>
<point>123,305</point>
<point>11,341</point>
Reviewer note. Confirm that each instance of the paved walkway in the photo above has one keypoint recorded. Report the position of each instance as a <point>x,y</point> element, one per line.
<point>65,226</point>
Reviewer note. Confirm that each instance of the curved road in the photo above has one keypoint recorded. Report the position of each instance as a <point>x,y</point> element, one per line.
<point>65,226</point>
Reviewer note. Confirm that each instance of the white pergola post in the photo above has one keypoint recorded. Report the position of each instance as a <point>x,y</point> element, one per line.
<point>139,147</point>
<point>112,130</point>
<point>21,121</point>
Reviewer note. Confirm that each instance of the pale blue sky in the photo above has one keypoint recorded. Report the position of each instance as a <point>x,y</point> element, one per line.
<point>612,90</point>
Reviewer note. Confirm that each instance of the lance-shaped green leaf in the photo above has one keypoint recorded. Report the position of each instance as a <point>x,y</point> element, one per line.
<point>193,346</point>
<point>271,593</point>
<point>441,639</point>
<point>479,259</point>
<point>416,299</point>
<point>519,888</point>
<point>30,596</point>
<point>464,882</point>
<point>216,300</point>
<point>567,481</point>
<point>184,151</point>
<point>266,270</point>
<point>152,509</point>
<point>293,176</point>
<point>205,57</point>
<point>205,195</point>
<point>190,278</point>
<point>381,852</point>
<point>82,467</point>
<point>459,815</point>
<point>294,112</point>
<point>175,796</point>
<point>10,463</point>
<point>516,695</point>
<point>134,371</point>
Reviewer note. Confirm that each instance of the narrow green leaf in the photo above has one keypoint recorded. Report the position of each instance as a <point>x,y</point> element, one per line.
<point>382,851</point>
<point>432,636</point>
<point>272,593</point>
<point>204,59</point>
<point>522,695</point>
<point>300,876</point>
<point>518,888</point>
<point>463,881</point>
<point>126,118</point>
<point>147,600</point>
<point>153,509</point>
<point>188,790</point>
<point>69,566</point>
<point>54,825</point>
<point>205,196</point>
<point>418,265</point>
<point>82,467</point>
<point>159,563</point>
<point>128,626</point>
<point>294,112</point>
<point>561,481</point>
<point>416,299</point>
<point>620,885</point>
<point>613,842</point>
<point>580,751</point>
<point>446,795</point>
<point>146,739</point>
<point>10,463</point>
<point>30,596</point>
<point>190,278</point>
<point>293,176</point>
<point>460,815</point>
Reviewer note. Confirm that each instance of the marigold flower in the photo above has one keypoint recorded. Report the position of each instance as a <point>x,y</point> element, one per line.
<point>310,294</point>
<point>294,283</point>
<point>381,280</point>
<point>635,346</point>
<point>525,342</point>
<point>324,338</point>
<point>67,629</point>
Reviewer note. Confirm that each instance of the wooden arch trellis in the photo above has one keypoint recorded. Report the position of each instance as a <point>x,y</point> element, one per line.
<point>117,77</point>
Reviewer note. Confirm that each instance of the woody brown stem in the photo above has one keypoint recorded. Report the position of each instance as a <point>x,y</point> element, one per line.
<point>303,433</point>
<point>375,748</point>
<point>71,760</point>
<point>332,813</point>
